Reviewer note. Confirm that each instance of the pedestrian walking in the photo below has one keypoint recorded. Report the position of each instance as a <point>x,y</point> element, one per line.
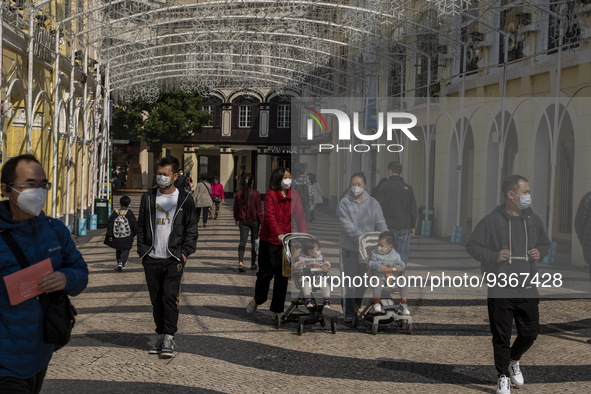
<point>217,196</point>
<point>583,227</point>
<point>118,178</point>
<point>27,232</point>
<point>181,182</point>
<point>359,213</point>
<point>121,230</point>
<point>202,197</point>
<point>303,186</point>
<point>167,235</point>
<point>280,203</point>
<point>399,205</point>
<point>317,198</point>
<point>249,217</point>
<point>508,243</point>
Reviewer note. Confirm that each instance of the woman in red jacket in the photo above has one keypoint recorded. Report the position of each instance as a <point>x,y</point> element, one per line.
<point>280,202</point>
<point>248,216</point>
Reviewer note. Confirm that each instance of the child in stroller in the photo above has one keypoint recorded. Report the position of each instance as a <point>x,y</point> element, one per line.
<point>311,258</point>
<point>384,263</point>
<point>304,259</point>
<point>377,249</point>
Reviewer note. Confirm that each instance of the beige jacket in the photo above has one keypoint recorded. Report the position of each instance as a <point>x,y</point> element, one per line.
<point>201,195</point>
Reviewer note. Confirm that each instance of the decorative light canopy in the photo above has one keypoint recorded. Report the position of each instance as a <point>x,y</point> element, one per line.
<point>314,47</point>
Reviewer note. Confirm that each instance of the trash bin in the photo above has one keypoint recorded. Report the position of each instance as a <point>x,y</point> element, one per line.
<point>426,224</point>
<point>101,209</point>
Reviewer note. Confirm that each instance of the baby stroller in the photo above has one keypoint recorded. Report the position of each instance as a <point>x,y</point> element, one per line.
<point>298,311</point>
<point>392,311</point>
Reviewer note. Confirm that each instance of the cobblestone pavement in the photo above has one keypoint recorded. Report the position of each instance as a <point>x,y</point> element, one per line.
<point>222,349</point>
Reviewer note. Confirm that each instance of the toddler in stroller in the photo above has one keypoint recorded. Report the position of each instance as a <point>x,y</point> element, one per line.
<point>311,261</point>
<point>386,265</point>
<point>308,269</point>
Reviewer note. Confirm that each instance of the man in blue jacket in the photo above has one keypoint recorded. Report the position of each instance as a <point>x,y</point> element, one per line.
<point>24,356</point>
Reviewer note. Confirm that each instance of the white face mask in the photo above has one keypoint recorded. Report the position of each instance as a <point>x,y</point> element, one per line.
<point>357,190</point>
<point>163,181</point>
<point>382,250</point>
<point>319,254</point>
<point>31,201</point>
<point>286,183</point>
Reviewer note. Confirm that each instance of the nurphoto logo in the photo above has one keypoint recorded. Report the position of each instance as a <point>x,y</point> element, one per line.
<point>403,121</point>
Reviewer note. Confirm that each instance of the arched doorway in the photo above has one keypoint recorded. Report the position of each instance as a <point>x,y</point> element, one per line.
<point>510,149</point>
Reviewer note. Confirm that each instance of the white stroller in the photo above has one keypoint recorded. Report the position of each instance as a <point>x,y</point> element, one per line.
<point>305,315</point>
<point>392,310</point>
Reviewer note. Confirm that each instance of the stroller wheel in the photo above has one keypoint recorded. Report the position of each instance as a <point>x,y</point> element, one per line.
<point>333,326</point>
<point>300,329</point>
<point>374,329</point>
<point>354,321</point>
<point>409,328</point>
<point>401,323</point>
<point>322,323</point>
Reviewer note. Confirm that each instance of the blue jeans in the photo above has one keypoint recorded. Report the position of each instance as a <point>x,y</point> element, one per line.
<point>402,239</point>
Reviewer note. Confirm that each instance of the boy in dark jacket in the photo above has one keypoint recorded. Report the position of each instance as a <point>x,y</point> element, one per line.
<point>121,229</point>
<point>508,242</point>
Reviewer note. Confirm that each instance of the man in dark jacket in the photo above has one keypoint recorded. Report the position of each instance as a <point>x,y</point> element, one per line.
<point>24,355</point>
<point>167,235</point>
<point>508,242</point>
<point>583,228</point>
<point>399,205</point>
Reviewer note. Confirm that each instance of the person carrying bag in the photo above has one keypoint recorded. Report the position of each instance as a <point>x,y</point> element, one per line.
<point>60,314</point>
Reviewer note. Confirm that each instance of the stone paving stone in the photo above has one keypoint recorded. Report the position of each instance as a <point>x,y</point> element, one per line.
<point>222,349</point>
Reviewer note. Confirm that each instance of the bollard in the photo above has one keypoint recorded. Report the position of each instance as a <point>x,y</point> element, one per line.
<point>549,259</point>
<point>426,228</point>
<point>69,226</point>
<point>457,233</point>
<point>81,227</point>
<point>93,221</point>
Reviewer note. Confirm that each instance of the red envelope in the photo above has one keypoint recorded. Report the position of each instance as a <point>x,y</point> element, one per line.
<point>22,285</point>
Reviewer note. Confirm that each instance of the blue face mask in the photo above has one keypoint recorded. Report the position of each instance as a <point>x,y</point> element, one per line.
<point>524,201</point>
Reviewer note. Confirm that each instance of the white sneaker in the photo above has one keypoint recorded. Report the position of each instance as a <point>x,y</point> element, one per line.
<point>405,310</point>
<point>377,308</point>
<point>167,347</point>
<point>515,373</point>
<point>504,385</point>
<point>252,306</point>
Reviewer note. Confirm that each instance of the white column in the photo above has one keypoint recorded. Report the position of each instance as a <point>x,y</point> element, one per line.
<point>30,116</point>
<point>83,166</point>
<point>263,170</point>
<point>56,119</point>
<point>227,169</point>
